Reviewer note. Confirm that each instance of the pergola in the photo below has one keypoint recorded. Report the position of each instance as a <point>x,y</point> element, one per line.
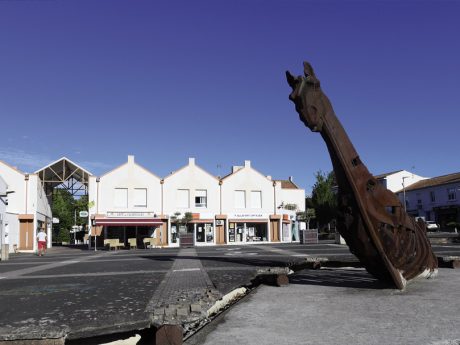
<point>64,174</point>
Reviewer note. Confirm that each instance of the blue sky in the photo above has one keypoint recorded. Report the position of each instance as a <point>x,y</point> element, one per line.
<point>167,80</point>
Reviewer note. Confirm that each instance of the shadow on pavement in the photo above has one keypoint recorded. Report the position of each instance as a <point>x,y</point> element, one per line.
<point>338,277</point>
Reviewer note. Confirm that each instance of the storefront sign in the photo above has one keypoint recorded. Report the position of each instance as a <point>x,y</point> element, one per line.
<point>132,214</point>
<point>248,216</point>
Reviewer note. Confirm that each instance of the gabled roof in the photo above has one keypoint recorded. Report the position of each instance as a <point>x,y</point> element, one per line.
<point>189,165</point>
<point>13,168</point>
<point>378,177</point>
<point>233,173</point>
<point>60,164</point>
<point>126,163</point>
<point>433,182</point>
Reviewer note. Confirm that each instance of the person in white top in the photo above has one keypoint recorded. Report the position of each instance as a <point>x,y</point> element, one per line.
<point>41,238</point>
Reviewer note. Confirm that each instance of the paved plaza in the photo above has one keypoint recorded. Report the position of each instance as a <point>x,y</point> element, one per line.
<point>76,293</point>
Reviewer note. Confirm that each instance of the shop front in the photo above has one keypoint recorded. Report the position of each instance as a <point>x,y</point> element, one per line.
<point>248,228</point>
<point>130,228</point>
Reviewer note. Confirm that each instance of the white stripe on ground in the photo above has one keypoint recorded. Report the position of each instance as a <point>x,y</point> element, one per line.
<point>24,271</point>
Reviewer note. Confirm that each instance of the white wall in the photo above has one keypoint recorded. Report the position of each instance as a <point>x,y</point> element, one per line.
<point>131,176</point>
<point>248,179</point>
<point>293,196</point>
<point>394,181</point>
<point>16,201</point>
<point>191,178</point>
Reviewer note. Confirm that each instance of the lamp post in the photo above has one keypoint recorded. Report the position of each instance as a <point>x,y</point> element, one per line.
<point>404,191</point>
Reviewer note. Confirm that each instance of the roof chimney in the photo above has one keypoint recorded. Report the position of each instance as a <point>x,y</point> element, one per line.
<point>291,178</point>
<point>269,177</point>
<point>191,161</point>
<point>130,159</point>
<point>247,164</point>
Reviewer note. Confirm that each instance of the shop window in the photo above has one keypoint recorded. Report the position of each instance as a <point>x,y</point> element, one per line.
<point>451,194</point>
<point>256,232</point>
<point>183,198</point>
<point>240,199</point>
<point>235,232</point>
<point>204,233</point>
<point>140,197</point>
<point>121,198</point>
<point>201,198</point>
<point>256,199</point>
<point>432,196</point>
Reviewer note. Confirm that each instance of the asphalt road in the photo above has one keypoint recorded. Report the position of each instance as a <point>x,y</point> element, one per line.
<point>83,293</point>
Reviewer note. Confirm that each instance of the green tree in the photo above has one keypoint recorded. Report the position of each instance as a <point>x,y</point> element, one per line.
<point>62,208</point>
<point>184,220</point>
<point>324,199</point>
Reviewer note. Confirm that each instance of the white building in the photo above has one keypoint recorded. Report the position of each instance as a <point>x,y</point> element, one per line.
<point>243,207</point>
<point>193,190</point>
<point>3,202</point>
<point>396,180</point>
<point>28,209</point>
<point>127,203</point>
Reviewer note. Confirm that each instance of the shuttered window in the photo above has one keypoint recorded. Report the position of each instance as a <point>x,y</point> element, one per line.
<point>121,198</point>
<point>140,197</point>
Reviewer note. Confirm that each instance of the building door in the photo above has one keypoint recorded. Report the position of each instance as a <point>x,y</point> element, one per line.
<point>220,234</point>
<point>274,231</point>
<point>26,234</point>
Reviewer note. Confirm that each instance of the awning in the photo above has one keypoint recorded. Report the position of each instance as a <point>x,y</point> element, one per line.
<point>128,221</point>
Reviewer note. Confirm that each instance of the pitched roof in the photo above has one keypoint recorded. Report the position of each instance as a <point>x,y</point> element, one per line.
<point>287,184</point>
<point>386,174</point>
<point>435,181</point>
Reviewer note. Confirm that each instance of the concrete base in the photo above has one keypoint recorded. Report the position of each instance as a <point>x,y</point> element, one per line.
<point>343,306</point>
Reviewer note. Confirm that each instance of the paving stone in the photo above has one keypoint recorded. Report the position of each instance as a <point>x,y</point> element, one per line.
<point>195,308</point>
<point>182,311</point>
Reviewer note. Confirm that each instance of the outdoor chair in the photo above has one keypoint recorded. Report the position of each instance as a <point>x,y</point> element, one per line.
<point>113,243</point>
<point>132,243</point>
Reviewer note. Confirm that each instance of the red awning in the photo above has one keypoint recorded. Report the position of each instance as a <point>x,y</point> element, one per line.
<point>128,221</point>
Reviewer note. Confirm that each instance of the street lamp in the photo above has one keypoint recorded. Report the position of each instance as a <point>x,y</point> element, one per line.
<point>404,191</point>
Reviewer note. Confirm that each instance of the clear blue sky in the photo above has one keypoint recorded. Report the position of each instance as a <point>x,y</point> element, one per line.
<point>97,80</point>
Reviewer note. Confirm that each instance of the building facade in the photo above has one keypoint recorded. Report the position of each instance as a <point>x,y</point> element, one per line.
<point>434,199</point>
<point>27,211</point>
<point>130,203</point>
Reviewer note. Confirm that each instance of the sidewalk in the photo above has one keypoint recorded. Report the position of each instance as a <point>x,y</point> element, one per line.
<point>343,306</point>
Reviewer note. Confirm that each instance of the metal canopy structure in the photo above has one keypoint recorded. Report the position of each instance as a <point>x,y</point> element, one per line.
<point>64,174</point>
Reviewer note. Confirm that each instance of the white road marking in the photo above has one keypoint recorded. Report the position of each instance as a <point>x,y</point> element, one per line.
<point>187,269</point>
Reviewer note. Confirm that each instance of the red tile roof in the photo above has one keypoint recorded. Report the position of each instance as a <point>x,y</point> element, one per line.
<point>435,181</point>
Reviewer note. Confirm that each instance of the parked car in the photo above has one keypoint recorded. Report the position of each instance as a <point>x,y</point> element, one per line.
<point>432,226</point>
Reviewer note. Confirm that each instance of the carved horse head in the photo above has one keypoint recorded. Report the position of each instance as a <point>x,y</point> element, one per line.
<point>310,102</point>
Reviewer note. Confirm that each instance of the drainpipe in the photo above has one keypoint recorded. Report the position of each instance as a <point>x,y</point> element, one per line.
<point>274,197</point>
<point>162,181</point>
<point>220,196</point>
<point>98,179</point>
<point>26,178</point>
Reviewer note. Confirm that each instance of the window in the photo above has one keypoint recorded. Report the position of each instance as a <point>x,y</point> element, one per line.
<point>183,198</point>
<point>121,198</point>
<point>451,195</point>
<point>256,199</point>
<point>140,197</point>
<point>201,198</point>
<point>240,199</point>
<point>432,196</point>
